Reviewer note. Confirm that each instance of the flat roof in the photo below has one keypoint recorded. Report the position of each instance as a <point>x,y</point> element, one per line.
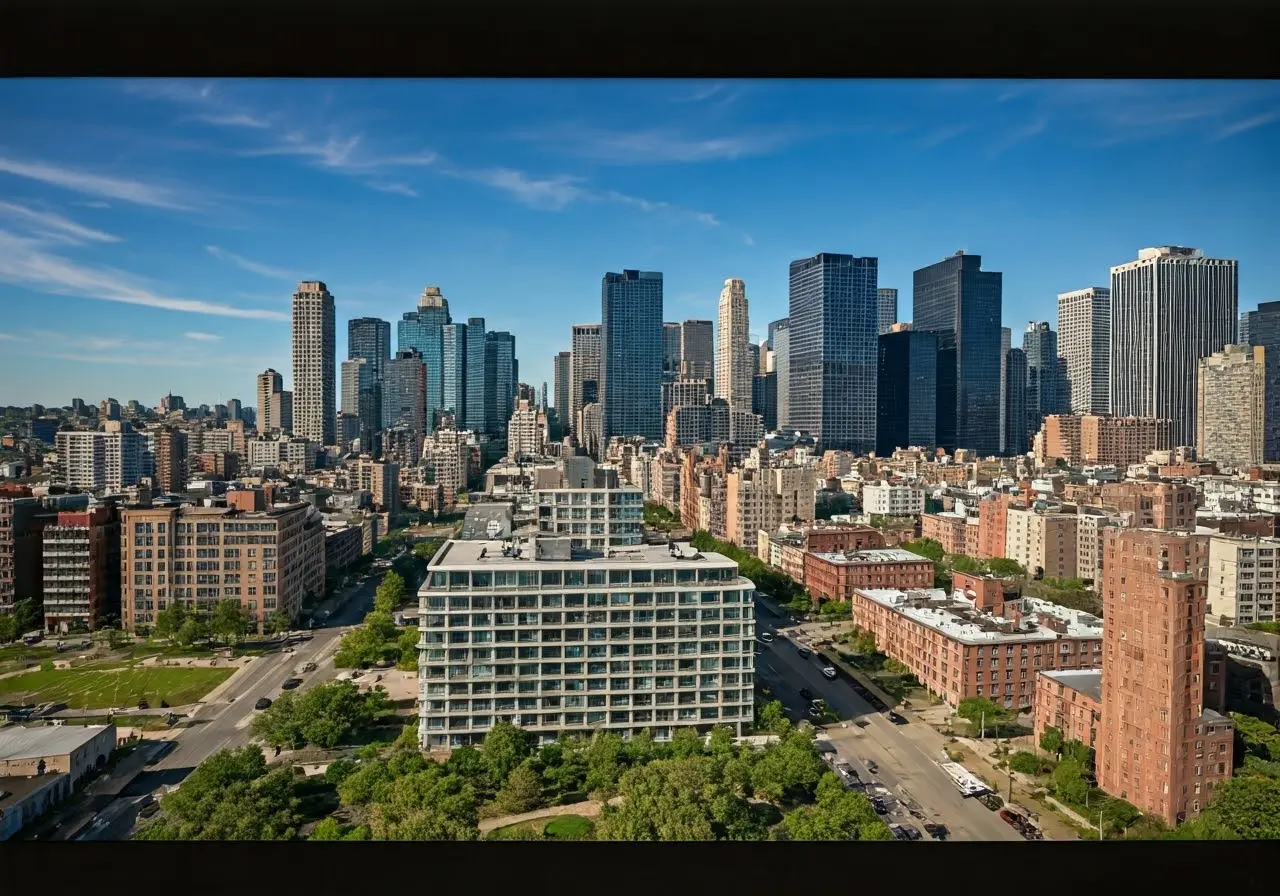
<point>14,788</point>
<point>873,555</point>
<point>18,743</point>
<point>959,618</point>
<point>487,554</point>
<point>1085,681</point>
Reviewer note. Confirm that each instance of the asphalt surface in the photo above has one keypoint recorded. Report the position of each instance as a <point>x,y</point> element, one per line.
<point>907,775</point>
<point>223,725</point>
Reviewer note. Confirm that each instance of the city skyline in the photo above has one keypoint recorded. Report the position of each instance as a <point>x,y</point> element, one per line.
<point>174,243</point>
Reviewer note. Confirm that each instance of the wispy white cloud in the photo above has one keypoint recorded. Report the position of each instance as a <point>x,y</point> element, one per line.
<point>549,193</point>
<point>942,135</point>
<point>746,238</point>
<point>1019,135</point>
<point>202,337</point>
<point>54,225</point>
<point>660,146</point>
<point>232,120</point>
<point>398,189</point>
<point>246,264</point>
<point>646,205</point>
<point>26,262</point>
<point>10,337</point>
<point>93,184</point>
<point>702,93</point>
<point>1247,124</point>
<point>99,343</point>
<point>127,359</point>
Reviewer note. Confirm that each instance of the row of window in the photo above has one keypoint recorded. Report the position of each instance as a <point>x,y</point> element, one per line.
<point>573,719</point>
<point>577,578</point>
<point>616,599</point>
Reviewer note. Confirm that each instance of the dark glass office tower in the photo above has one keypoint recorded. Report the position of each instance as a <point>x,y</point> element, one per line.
<point>773,326</point>
<point>475,364</point>
<point>671,335</point>
<point>453,371</point>
<point>764,398</point>
<point>907,391</point>
<point>501,379</point>
<point>370,338</point>
<point>1262,328</point>
<point>631,350</point>
<point>1044,376</point>
<point>955,296</point>
<point>1017,439</point>
<point>832,350</point>
<point>422,330</point>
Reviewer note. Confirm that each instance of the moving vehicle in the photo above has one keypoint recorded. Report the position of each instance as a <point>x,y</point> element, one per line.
<point>263,703</point>
<point>829,672</point>
<point>290,684</point>
<point>817,709</point>
<point>966,782</point>
<point>308,667</point>
<point>806,694</point>
<point>766,637</point>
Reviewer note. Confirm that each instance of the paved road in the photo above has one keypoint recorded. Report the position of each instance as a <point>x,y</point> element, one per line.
<point>905,754</point>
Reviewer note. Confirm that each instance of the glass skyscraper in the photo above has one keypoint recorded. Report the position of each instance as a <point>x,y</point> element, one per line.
<point>475,410</point>
<point>423,330</point>
<point>955,298</point>
<point>500,381</point>
<point>907,391</point>
<point>631,350</point>
<point>453,371</point>
<point>403,391</point>
<point>832,350</point>
<point>369,338</point>
<point>1262,328</point>
<point>1045,389</point>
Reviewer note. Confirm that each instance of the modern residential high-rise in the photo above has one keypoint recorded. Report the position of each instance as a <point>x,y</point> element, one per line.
<point>370,338</point>
<point>886,310</point>
<point>108,460</point>
<point>453,371</point>
<point>81,568</point>
<point>501,381</point>
<point>563,386</point>
<point>1261,329</point>
<point>907,391</point>
<point>1014,407</point>
<point>171,460</point>
<point>275,410</point>
<point>584,381</point>
<point>1084,339</point>
<point>631,355</point>
<point>780,337</point>
<point>833,350</point>
<point>1006,343</point>
<point>315,367</point>
<point>656,677</point>
<point>362,381</point>
<point>960,302</point>
<point>698,350</point>
<point>423,330</point>
<point>234,409</point>
<point>670,350</point>
<point>475,362</point>
<point>1044,391</point>
<point>1160,748</point>
<point>404,392</point>
<point>1170,308</point>
<point>1231,415</point>
<point>734,368</point>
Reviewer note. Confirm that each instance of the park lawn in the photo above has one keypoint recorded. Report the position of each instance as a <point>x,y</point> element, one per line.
<point>561,827</point>
<point>111,688</point>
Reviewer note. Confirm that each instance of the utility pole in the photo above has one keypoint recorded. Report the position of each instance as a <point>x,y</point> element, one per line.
<point>1099,825</point>
<point>982,735</point>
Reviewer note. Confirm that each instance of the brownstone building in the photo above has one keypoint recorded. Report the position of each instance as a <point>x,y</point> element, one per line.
<point>1161,747</point>
<point>835,575</point>
<point>993,518</point>
<point>1155,505</point>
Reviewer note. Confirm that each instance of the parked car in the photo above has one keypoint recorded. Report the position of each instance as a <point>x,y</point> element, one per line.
<point>806,694</point>
<point>308,667</point>
<point>290,684</point>
<point>895,718</point>
<point>766,637</point>
<point>936,831</point>
<point>992,801</point>
<point>805,652</point>
<point>846,772</point>
<point>263,703</point>
<point>1010,818</point>
<point>829,672</point>
<point>872,767</point>
<point>879,806</point>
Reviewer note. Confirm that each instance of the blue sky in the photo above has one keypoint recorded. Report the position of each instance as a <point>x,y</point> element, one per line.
<point>152,232</point>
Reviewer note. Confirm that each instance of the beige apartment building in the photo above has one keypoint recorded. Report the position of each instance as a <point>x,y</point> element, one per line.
<point>268,560</point>
<point>1160,748</point>
<point>765,497</point>
<point>1242,580</point>
<point>955,531</point>
<point>1231,407</point>
<point>1099,439</point>
<point>1045,541</point>
<point>960,647</point>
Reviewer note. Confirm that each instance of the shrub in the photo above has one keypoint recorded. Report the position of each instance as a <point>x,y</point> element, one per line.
<point>1025,763</point>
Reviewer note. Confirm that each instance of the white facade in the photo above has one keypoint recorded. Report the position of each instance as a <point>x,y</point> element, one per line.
<point>885,499</point>
<point>526,431</point>
<point>97,461</point>
<point>584,367</point>
<point>735,366</point>
<point>1084,339</point>
<point>1242,579</point>
<point>314,367</point>
<point>1169,309</point>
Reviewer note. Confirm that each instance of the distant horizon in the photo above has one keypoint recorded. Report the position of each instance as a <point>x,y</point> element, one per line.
<point>153,232</point>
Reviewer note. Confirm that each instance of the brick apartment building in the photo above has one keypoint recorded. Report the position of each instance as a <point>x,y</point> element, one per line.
<point>81,568</point>
<point>1154,505</point>
<point>955,531</point>
<point>1070,701</point>
<point>267,559</point>
<point>1098,439</point>
<point>993,520</point>
<point>786,548</point>
<point>1161,747</point>
<point>835,575</point>
<point>960,649</point>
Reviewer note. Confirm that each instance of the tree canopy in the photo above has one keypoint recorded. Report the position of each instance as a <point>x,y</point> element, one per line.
<point>838,814</point>
<point>325,716</point>
<point>980,710</point>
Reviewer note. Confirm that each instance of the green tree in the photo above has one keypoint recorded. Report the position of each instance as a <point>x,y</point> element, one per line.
<point>639,748</point>
<point>790,767</point>
<point>326,716</point>
<point>983,711</point>
<point>835,609</point>
<point>28,613</point>
<point>1247,807</point>
<point>390,593</point>
<point>1006,568</point>
<point>1051,740</point>
<point>339,770</point>
<point>328,829</point>
<point>771,719</point>
<point>408,646</point>
<point>838,814</point>
<point>667,800</point>
<point>230,622</point>
<point>505,748</point>
<point>8,628</point>
<point>720,742</point>
<point>1256,737</point>
<point>926,547</point>
<point>1069,782</point>
<point>604,762</point>
<point>1078,752</point>
<point>430,804</point>
<point>278,623</point>
<point>193,629</point>
<point>522,792</point>
<point>964,563</point>
<point>1025,763</point>
<point>170,620</point>
<point>685,742</point>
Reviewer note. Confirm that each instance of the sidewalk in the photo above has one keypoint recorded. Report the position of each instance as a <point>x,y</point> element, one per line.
<point>586,808</point>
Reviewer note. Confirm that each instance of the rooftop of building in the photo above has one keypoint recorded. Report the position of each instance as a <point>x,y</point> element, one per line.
<point>498,554</point>
<point>874,555</point>
<point>221,510</point>
<point>487,522</point>
<point>13,788</point>
<point>1084,681</point>
<point>958,617</point>
<point>18,743</point>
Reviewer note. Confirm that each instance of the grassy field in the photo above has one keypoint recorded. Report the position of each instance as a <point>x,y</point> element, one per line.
<point>110,688</point>
<point>561,827</point>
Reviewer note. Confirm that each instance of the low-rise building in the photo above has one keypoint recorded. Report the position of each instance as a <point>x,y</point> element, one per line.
<point>891,499</point>
<point>1045,542</point>
<point>958,650</point>
<point>343,546</point>
<point>41,767</point>
<point>1070,701</point>
<point>836,575</point>
<point>954,530</point>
